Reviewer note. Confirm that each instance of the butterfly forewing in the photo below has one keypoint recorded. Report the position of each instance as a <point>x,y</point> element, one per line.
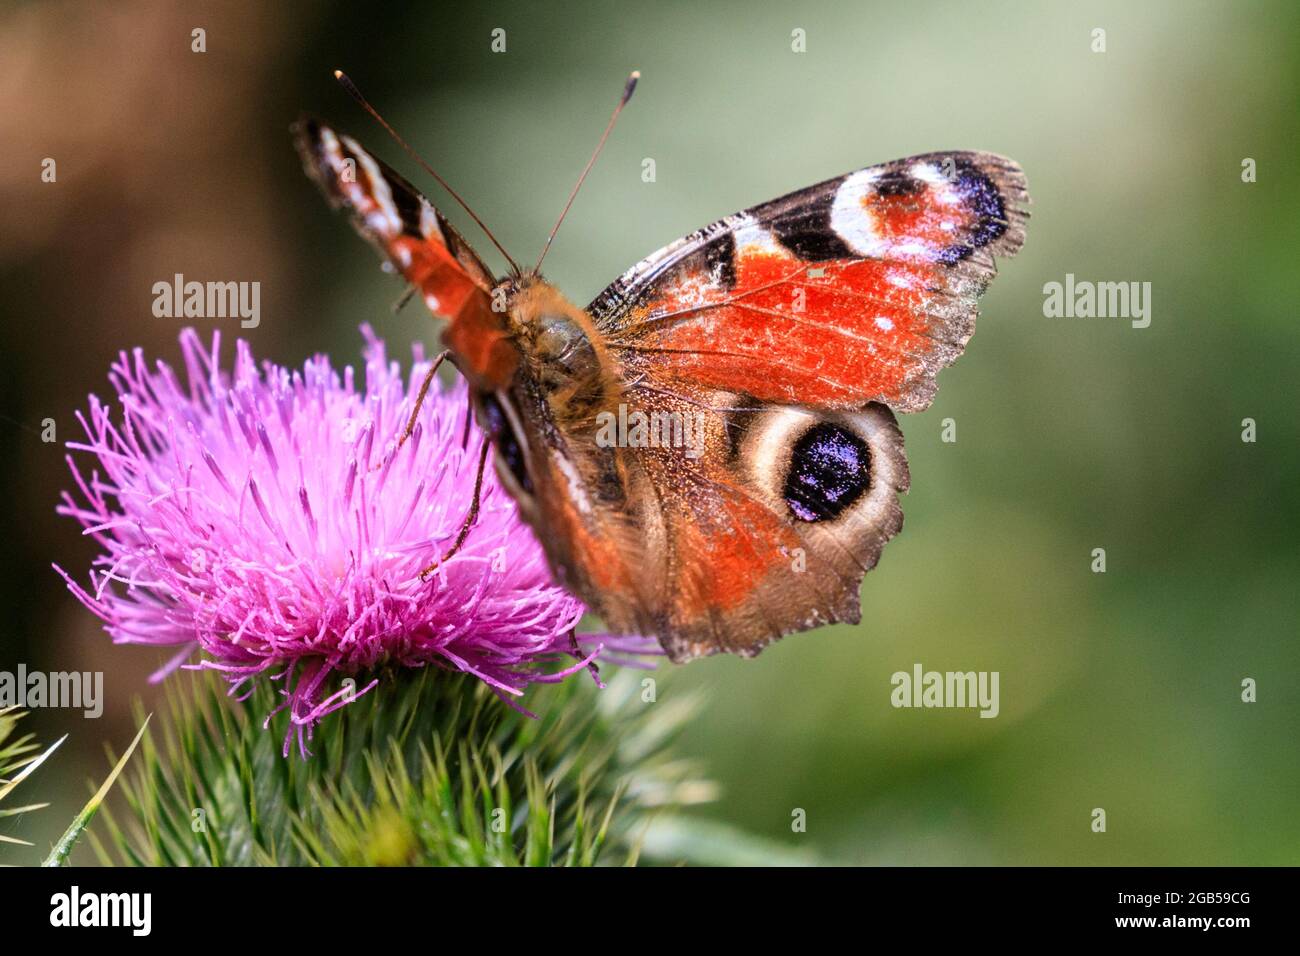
<point>855,290</point>
<point>419,242</point>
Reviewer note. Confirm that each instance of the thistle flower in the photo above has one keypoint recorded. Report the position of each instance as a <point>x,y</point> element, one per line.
<point>266,519</point>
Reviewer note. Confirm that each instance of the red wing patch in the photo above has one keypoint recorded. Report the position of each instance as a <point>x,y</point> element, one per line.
<point>420,244</point>
<point>856,290</point>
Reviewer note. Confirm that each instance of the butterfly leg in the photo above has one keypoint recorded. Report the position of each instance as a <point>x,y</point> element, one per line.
<point>469,418</point>
<point>576,650</point>
<point>419,401</point>
<point>406,297</point>
<point>470,518</point>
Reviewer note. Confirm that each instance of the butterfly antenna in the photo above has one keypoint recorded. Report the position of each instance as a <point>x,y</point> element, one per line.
<point>355,93</point>
<point>628,88</point>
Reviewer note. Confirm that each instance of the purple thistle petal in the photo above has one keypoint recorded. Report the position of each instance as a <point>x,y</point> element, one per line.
<point>266,518</point>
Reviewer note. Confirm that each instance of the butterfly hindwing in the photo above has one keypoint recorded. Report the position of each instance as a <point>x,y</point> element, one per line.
<point>713,521</point>
<point>772,525</point>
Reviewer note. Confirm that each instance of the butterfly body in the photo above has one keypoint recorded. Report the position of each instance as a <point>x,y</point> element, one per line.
<point>708,452</point>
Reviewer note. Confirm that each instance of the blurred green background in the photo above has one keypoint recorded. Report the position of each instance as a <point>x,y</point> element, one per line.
<point>1118,690</point>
